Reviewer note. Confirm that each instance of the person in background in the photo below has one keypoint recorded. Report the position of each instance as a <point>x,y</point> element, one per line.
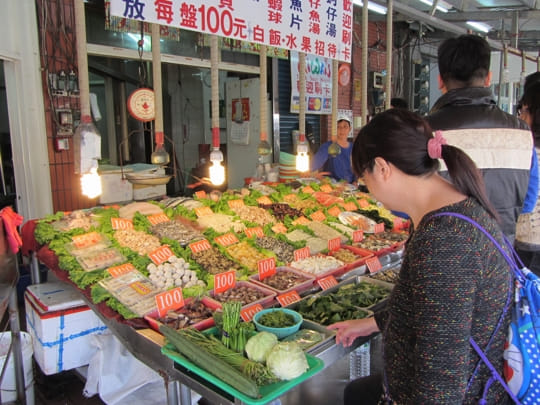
<point>338,167</point>
<point>453,282</point>
<point>528,226</point>
<point>398,102</point>
<point>499,143</point>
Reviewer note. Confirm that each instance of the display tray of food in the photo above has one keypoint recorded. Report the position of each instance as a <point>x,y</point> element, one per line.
<point>262,394</point>
<point>246,293</point>
<point>196,313</point>
<point>357,221</point>
<point>383,243</point>
<point>362,291</point>
<point>99,259</point>
<point>286,279</point>
<point>320,266</point>
<point>353,257</point>
<point>390,275</point>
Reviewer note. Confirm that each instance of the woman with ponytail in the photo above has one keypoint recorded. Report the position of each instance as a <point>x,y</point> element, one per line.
<point>453,281</point>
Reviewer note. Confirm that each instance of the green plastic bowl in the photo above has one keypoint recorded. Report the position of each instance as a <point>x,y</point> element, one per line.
<point>279,332</point>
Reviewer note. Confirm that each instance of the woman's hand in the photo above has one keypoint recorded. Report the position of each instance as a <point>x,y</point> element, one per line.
<point>348,331</point>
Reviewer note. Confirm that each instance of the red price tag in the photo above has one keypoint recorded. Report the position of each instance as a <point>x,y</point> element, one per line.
<point>158,218</point>
<point>199,246</point>
<point>378,228</point>
<point>334,211</point>
<point>327,282</point>
<point>307,190</point>
<point>302,253</point>
<point>288,298</point>
<point>118,271</point>
<point>226,240</point>
<point>161,254</point>
<point>373,264</point>
<point>203,211</point>
<point>121,223</point>
<point>279,228</point>
<point>301,221</point>
<point>235,203</point>
<point>257,231</point>
<point>318,216</point>
<point>264,200</point>
<point>248,313</point>
<point>267,267</point>
<point>87,239</point>
<point>362,203</point>
<point>358,235</point>
<point>398,223</point>
<point>334,244</point>
<point>200,194</point>
<point>224,281</point>
<point>169,301</point>
<point>141,288</point>
<point>327,188</point>
<point>350,206</point>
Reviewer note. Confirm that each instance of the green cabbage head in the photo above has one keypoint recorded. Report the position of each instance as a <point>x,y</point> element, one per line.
<point>287,360</point>
<point>258,346</point>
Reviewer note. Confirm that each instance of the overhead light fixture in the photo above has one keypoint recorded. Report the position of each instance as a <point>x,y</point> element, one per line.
<point>439,7</point>
<point>376,8</point>
<point>478,26</point>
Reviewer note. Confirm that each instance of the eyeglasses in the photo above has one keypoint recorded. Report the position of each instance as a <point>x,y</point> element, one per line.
<point>522,110</point>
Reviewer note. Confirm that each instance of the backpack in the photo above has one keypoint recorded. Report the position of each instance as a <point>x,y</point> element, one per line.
<point>522,347</point>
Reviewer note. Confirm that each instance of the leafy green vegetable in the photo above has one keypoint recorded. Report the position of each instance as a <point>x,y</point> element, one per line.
<point>258,347</point>
<point>287,360</point>
<point>276,319</point>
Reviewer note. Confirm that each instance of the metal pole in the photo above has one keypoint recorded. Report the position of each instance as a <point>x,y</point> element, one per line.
<point>16,346</point>
<point>389,47</point>
<point>365,23</point>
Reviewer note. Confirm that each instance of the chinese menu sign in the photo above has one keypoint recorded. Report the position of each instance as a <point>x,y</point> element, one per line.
<point>318,84</point>
<point>316,27</point>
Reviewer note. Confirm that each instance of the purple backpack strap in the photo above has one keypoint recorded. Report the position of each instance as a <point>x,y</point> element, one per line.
<point>512,261</point>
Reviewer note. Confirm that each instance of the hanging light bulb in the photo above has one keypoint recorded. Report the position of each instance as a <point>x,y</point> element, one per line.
<point>217,171</point>
<point>91,183</point>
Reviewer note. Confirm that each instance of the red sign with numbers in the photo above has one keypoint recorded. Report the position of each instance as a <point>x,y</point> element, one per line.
<point>350,206</point>
<point>169,301</point>
<point>121,223</point>
<point>224,281</point>
<point>257,231</point>
<point>288,298</point>
<point>264,200</point>
<point>378,228</point>
<point>327,282</point>
<point>358,235</point>
<point>279,228</point>
<point>200,194</point>
<point>248,313</point>
<point>235,203</point>
<point>307,190</point>
<point>334,211</point>
<point>227,239</point>
<point>318,216</point>
<point>301,253</point>
<point>301,221</point>
<point>87,239</point>
<point>334,244</point>
<point>362,203</point>
<point>158,218</point>
<point>373,264</point>
<point>327,188</point>
<point>199,246</point>
<point>118,271</point>
<point>267,267</point>
<point>203,211</point>
<point>161,254</point>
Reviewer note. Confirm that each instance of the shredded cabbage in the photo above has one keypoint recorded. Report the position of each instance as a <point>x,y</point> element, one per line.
<point>287,360</point>
<point>258,346</point>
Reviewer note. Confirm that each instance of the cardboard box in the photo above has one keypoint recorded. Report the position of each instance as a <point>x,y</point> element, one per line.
<point>61,326</point>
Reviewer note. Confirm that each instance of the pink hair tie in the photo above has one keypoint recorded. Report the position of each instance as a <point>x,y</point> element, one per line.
<point>434,145</point>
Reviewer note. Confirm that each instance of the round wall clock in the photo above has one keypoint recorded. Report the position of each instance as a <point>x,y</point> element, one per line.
<point>344,75</point>
<point>141,104</point>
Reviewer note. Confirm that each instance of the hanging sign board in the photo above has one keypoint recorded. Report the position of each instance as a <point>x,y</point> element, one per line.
<point>318,28</point>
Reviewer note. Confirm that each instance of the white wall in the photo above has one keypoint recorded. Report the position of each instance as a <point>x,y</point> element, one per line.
<point>19,48</point>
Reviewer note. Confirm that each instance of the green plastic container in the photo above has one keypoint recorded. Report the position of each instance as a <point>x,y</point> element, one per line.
<point>268,392</point>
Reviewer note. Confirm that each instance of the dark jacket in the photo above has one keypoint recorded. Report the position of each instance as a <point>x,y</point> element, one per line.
<point>500,144</point>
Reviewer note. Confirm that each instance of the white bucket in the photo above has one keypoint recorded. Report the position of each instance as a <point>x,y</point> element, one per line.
<point>8,387</point>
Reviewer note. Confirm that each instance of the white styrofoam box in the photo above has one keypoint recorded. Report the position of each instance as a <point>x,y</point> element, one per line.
<point>61,326</point>
<point>115,189</point>
<point>143,192</point>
